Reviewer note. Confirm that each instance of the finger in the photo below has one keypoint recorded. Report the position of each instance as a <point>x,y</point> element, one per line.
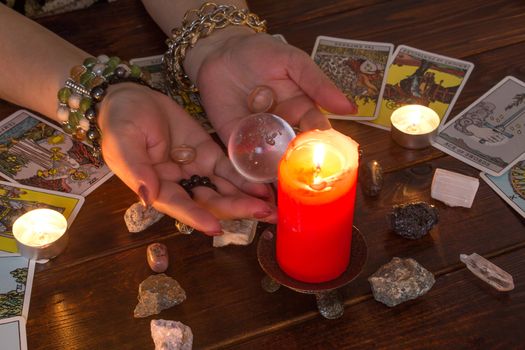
<point>239,206</point>
<point>300,110</point>
<point>175,202</point>
<point>317,85</point>
<point>127,156</point>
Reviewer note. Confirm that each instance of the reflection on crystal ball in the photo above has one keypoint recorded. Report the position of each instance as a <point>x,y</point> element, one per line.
<point>257,144</point>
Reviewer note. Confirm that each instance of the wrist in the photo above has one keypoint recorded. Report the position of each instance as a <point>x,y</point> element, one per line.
<point>205,47</point>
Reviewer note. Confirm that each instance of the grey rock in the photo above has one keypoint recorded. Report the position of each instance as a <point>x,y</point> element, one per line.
<point>138,218</point>
<point>400,280</point>
<point>157,293</point>
<point>171,335</point>
<point>413,220</point>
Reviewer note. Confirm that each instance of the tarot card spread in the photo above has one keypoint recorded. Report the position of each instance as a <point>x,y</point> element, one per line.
<point>419,77</point>
<point>37,153</point>
<point>357,68</point>
<point>489,134</point>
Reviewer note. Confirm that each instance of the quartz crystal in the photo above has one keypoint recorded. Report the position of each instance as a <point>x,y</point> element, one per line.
<point>171,335</point>
<point>138,217</point>
<point>371,178</point>
<point>454,189</point>
<point>400,280</point>
<point>157,293</point>
<point>238,232</point>
<point>413,220</point>
<point>488,272</point>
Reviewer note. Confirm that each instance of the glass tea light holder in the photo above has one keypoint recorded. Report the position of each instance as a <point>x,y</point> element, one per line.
<point>414,126</point>
<point>41,234</point>
<point>317,179</point>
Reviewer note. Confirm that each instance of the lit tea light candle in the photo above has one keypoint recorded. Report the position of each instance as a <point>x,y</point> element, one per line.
<point>40,233</point>
<point>316,194</point>
<point>413,126</point>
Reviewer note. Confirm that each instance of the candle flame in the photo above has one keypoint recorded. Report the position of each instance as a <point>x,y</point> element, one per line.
<point>319,153</point>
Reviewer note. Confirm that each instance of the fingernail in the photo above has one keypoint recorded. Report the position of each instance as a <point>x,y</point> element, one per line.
<point>262,214</point>
<point>214,233</point>
<point>143,193</point>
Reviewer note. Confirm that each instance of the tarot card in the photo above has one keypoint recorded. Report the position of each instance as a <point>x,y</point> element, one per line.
<point>490,133</point>
<point>16,279</point>
<point>16,200</point>
<point>191,102</point>
<point>357,68</point>
<point>510,186</point>
<point>34,152</point>
<point>280,37</point>
<point>419,77</point>
<point>13,333</point>
<point>154,65</point>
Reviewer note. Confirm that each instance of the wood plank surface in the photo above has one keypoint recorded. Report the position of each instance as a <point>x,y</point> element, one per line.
<point>84,298</point>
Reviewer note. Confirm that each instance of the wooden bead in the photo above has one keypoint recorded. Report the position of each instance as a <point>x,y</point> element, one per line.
<point>157,256</point>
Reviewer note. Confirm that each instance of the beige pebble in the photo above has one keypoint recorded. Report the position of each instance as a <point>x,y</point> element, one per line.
<point>157,256</point>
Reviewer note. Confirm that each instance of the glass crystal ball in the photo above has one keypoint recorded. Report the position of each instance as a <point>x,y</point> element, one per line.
<point>257,144</point>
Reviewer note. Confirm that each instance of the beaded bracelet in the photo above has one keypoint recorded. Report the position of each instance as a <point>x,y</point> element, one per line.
<point>85,88</point>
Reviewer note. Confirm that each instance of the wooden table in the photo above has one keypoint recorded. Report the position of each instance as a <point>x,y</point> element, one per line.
<point>84,299</point>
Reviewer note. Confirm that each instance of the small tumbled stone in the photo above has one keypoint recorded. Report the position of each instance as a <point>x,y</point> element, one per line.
<point>238,232</point>
<point>157,256</point>
<point>371,178</point>
<point>488,272</point>
<point>157,293</point>
<point>400,280</point>
<point>171,335</point>
<point>413,220</point>
<point>183,154</point>
<point>138,218</point>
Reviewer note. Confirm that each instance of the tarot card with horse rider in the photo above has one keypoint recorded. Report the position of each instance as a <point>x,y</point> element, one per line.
<point>423,78</point>
<point>357,68</point>
<point>490,133</point>
<point>35,152</point>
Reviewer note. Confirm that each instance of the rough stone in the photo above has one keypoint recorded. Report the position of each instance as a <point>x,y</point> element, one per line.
<point>171,335</point>
<point>138,218</point>
<point>371,178</point>
<point>400,280</point>
<point>238,232</point>
<point>157,293</point>
<point>413,220</point>
<point>488,272</point>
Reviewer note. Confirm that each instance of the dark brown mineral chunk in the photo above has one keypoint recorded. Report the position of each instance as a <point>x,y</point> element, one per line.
<point>413,220</point>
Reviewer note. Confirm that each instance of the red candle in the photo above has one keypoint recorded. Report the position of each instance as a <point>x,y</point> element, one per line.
<point>316,195</point>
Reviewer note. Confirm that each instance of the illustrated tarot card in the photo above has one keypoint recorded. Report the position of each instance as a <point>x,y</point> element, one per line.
<point>191,102</point>
<point>424,78</point>
<point>510,186</point>
<point>16,279</point>
<point>490,133</point>
<point>36,153</point>
<point>357,68</point>
<point>16,200</point>
<point>13,333</point>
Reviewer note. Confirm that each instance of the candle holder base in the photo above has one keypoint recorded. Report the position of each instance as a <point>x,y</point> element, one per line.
<point>329,301</point>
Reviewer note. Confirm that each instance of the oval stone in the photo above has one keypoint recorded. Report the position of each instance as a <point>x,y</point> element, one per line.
<point>183,154</point>
<point>157,256</point>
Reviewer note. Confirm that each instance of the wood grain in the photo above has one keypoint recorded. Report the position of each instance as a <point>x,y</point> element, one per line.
<point>84,299</point>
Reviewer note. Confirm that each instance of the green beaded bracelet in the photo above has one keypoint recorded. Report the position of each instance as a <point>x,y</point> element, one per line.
<point>87,86</point>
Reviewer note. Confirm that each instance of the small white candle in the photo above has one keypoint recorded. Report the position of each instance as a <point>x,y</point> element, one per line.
<point>415,119</point>
<point>39,227</point>
<point>414,125</point>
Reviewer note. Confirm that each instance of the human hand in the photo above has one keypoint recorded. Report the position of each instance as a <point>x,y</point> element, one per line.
<point>229,65</point>
<point>141,128</point>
